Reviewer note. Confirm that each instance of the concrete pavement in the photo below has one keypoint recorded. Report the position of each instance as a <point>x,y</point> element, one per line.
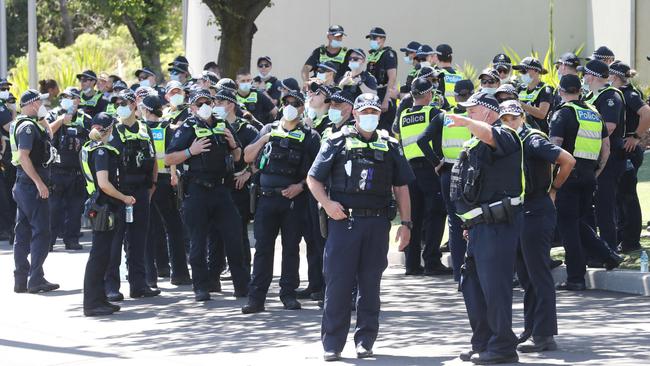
<point>423,322</point>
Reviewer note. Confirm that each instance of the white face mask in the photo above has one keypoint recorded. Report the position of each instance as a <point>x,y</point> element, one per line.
<point>245,87</point>
<point>526,79</point>
<point>88,90</point>
<point>408,60</point>
<point>4,94</point>
<point>145,83</point>
<point>220,111</point>
<point>335,115</point>
<point>335,43</point>
<point>42,111</point>
<point>290,112</point>
<point>368,122</point>
<point>425,64</point>
<point>67,104</point>
<point>321,76</point>
<point>489,90</point>
<point>355,65</point>
<point>123,111</point>
<point>204,112</point>
<point>177,99</point>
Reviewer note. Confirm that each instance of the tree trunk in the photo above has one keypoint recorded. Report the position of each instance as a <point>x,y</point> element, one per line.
<point>68,34</point>
<point>147,47</point>
<point>237,22</point>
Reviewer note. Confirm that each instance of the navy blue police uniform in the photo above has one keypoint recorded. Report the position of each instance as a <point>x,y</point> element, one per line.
<point>68,186</point>
<point>284,161</point>
<point>208,202</point>
<point>378,63</point>
<point>32,231</point>
<point>487,186</point>
<point>258,104</point>
<point>7,170</point>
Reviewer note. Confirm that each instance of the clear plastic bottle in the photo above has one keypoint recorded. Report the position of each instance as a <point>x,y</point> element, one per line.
<point>644,261</point>
<point>129,213</point>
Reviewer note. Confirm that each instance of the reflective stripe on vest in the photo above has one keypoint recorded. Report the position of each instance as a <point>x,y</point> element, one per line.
<point>374,57</point>
<point>297,134</point>
<point>168,114</point>
<point>450,83</point>
<point>453,140</point>
<point>339,58</point>
<point>411,125</point>
<point>111,110</point>
<point>529,97</point>
<point>591,97</point>
<point>85,168</point>
<point>159,134</point>
<point>317,122</point>
<point>218,129</point>
<point>590,128</point>
<point>250,99</point>
<point>16,125</point>
<point>90,102</point>
<point>354,143</point>
<point>127,135</point>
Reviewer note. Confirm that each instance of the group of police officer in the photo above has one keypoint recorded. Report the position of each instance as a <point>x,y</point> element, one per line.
<point>333,160</point>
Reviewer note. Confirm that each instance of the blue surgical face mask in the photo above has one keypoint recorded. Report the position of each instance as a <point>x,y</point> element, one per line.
<point>335,43</point>
<point>335,115</point>
<point>489,90</point>
<point>177,99</point>
<point>175,77</point>
<point>220,111</point>
<point>374,44</point>
<point>368,122</point>
<point>123,111</point>
<point>526,79</point>
<point>67,104</point>
<point>321,76</point>
<point>145,83</point>
<point>354,65</point>
<point>245,87</point>
<point>408,60</point>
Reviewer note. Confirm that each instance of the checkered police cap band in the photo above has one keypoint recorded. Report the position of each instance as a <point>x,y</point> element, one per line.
<point>198,95</point>
<point>616,72</point>
<point>511,107</point>
<point>478,101</point>
<point>422,92</point>
<point>531,67</point>
<point>224,96</point>
<point>31,100</point>
<point>341,99</point>
<point>600,56</point>
<point>589,71</point>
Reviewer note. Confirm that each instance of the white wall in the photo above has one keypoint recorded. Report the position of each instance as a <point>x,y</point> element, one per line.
<point>610,23</point>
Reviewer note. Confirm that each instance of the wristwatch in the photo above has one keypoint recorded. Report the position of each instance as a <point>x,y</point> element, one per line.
<point>408,224</point>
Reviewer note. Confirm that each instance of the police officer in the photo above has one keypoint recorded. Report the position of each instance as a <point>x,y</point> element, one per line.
<point>637,122</point>
<point>438,101</point>
<point>359,211</point>
<point>410,51</point>
<point>100,164</point>
<point>382,64</point>
<point>283,152</point>
<point>70,127</point>
<point>225,110</point>
<point>265,82</point>
<point>578,128</point>
<point>358,80</point>
<point>177,111</point>
<point>604,54</point>
<point>333,52</point>
<point>489,80</point>
<point>209,149</point>
<point>260,105</point>
<point>179,70</point>
<point>32,153</point>
<point>567,64</point>
<point>118,86</point>
<point>427,205</point>
<point>92,101</point>
<point>533,255</point>
<point>208,81</point>
<point>441,146</point>
<point>610,104</point>
<point>147,78</point>
<point>442,56</point>
<point>506,92</point>
<point>138,176</point>
<point>535,96</point>
<point>165,224</point>
<point>326,72</point>
<point>503,65</point>
<point>7,171</point>
<point>318,103</point>
<point>340,113</point>
<point>487,185</point>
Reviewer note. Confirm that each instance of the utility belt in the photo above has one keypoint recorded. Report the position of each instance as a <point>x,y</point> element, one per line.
<point>209,183</point>
<point>386,212</point>
<point>100,216</point>
<point>66,171</point>
<point>270,192</point>
<point>492,213</point>
<point>419,164</point>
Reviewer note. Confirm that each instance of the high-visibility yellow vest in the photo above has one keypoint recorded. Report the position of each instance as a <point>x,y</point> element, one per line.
<point>590,128</point>
<point>89,147</point>
<point>411,125</point>
<point>450,83</point>
<point>453,140</point>
<point>159,133</point>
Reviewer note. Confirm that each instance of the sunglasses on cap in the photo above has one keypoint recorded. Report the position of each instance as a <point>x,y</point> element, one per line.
<point>264,66</point>
<point>296,103</point>
<point>488,81</point>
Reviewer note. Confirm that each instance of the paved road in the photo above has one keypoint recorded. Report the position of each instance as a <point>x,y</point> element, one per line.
<point>423,322</point>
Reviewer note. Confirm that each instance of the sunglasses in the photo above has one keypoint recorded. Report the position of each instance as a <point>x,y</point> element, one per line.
<point>503,71</point>
<point>123,103</point>
<point>83,80</point>
<point>4,89</point>
<point>295,103</point>
<point>488,81</point>
<point>264,66</point>
<point>200,104</point>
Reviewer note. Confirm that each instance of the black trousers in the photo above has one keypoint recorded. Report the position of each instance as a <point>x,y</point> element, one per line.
<point>98,259</point>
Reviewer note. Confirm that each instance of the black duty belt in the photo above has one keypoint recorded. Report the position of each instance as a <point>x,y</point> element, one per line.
<point>66,171</point>
<point>207,182</point>
<point>492,213</point>
<point>368,212</point>
<point>271,192</point>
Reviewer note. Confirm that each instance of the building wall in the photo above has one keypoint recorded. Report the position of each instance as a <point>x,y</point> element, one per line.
<point>476,30</point>
<point>642,41</point>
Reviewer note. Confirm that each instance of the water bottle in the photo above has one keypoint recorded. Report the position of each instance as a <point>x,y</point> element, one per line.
<point>644,261</point>
<point>129,213</point>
